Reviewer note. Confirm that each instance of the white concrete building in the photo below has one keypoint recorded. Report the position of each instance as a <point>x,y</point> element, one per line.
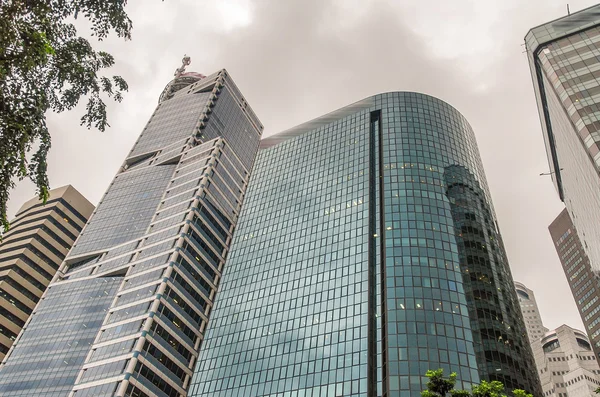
<point>566,363</point>
<point>564,358</point>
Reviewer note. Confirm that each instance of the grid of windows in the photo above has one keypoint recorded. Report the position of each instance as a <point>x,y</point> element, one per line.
<point>293,312</point>
<point>427,318</point>
<point>228,121</point>
<point>563,58</point>
<point>126,209</point>
<point>30,253</point>
<point>439,223</point>
<point>51,352</point>
<point>579,273</point>
<point>178,116</point>
<point>564,357</point>
<point>163,231</point>
<point>531,314</point>
<point>564,61</point>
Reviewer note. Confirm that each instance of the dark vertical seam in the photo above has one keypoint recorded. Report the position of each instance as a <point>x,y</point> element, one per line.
<point>549,131</point>
<point>372,303</point>
<point>375,183</point>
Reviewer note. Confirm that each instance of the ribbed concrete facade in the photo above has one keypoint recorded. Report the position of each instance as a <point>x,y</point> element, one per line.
<point>31,252</point>
<point>531,312</point>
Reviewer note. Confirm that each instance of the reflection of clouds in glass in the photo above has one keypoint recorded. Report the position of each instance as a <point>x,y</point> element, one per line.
<point>298,275</point>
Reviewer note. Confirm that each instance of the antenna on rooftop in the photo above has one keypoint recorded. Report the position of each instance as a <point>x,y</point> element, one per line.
<point>184,62</point>
<point>568,11</point>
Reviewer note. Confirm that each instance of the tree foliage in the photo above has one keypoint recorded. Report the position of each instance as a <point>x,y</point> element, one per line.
<point>438,386</point>
<point>46,66</point>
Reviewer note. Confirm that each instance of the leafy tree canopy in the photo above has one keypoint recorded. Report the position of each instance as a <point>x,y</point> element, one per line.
<point>46,66</point>
<point>438,386</point>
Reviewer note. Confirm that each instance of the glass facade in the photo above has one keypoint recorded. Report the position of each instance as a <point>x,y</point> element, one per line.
<point>126,209</point>
<point>127,311</point>
<point>31,252</point>
<point>367,252</point>
<point>564,61</point>
<point>58,340</point>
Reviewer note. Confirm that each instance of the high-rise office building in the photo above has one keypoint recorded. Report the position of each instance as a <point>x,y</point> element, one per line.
<point>564,58</point>
<point>563,356</point>
<point>31,252</point>
<point>582,278</point>
<point>531,313</point>
<point>127,312</point>
<point>367,252</point>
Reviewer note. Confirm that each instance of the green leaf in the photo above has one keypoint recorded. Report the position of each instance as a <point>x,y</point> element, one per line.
<point>437,386</point>
<point>46,66</point>
<point>521,393</point>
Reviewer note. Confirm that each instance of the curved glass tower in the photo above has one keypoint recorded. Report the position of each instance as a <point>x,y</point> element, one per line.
<point>366,253</point>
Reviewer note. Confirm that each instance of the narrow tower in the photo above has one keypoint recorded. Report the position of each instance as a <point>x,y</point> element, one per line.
<point>531,313</point>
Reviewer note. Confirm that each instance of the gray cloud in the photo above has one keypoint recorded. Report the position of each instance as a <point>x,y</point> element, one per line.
<point>296,60</point>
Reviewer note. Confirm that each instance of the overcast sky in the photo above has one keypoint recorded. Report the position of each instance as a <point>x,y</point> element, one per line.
<point>295,60</point>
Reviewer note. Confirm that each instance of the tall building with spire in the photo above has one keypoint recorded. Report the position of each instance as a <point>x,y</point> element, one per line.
<point>39,238</point>
<point>128,309</point>
<point>367,252</point>
<point>564,59</point>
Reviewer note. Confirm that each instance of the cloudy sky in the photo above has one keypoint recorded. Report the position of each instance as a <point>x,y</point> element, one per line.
<point>295,60</point>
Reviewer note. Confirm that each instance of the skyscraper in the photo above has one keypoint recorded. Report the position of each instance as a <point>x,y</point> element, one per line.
<point>563,356</point>
<point>31,252</point>
<point>564,58</point>
<point>531,313</point>
<point>367,252</point>
<point>582,278</point>
<point>127,312</point>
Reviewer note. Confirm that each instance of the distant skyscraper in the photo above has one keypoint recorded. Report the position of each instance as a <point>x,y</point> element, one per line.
<point>564,57</point>
<point>367,252</point>
<point>582,278</point>
<point>564,358</point>
<point>531,313</point>
<point>128,310</point>
<point>31,252</point>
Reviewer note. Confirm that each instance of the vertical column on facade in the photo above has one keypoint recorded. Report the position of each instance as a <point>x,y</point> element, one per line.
<point>377,377</point>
